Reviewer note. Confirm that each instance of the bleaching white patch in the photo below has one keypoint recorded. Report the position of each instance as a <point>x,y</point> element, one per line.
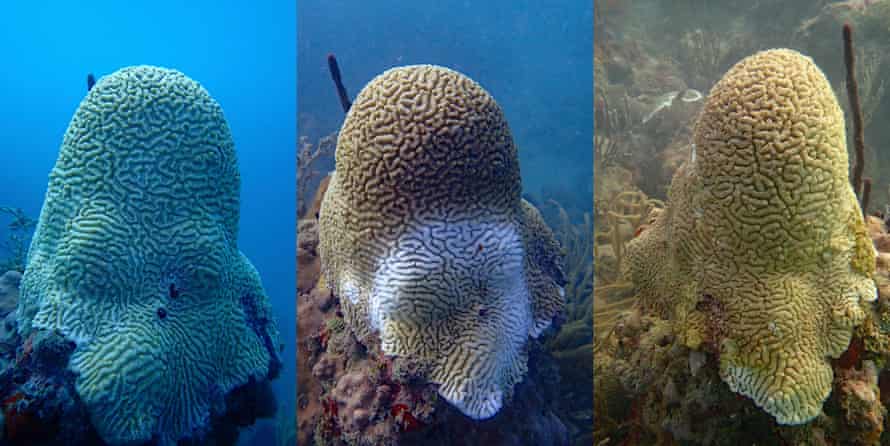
<point>443,272</point>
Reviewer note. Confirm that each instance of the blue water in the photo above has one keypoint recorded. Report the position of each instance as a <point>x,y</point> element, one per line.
<point>242,52</point>
<point>535,58</point>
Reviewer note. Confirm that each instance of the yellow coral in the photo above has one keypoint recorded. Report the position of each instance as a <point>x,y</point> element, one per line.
<point>762,221</point>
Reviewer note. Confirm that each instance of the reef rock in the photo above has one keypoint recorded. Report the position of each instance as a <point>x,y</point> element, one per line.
<point>135,260</point>
<point>426,241</point>
<point>762,254</point>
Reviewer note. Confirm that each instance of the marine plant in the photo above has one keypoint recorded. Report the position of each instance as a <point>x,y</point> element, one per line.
<point>576,241</point>
<point>334,69</point>
<point>307,156</point>
<point>16,244</point>
<point>572,345</point>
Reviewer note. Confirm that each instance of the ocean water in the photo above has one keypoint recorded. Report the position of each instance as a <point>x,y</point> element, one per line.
<point>243,53</point>
<point>533,58</point>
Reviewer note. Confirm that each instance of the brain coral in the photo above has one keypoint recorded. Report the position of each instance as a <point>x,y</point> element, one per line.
<point>135,258</point>
<point>424,235</point>
<point>767,259</point>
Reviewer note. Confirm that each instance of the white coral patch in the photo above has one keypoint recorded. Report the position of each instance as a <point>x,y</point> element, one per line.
<point>462,284</point>
<point>349,289</point>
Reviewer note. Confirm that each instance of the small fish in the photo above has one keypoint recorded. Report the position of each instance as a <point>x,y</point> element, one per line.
<point>91,80</point>
<point>661,102</point>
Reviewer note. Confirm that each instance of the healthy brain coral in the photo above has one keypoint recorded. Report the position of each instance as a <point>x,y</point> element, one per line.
<point>425,238</point>
<point>762,250</point>
<point>135,259</point>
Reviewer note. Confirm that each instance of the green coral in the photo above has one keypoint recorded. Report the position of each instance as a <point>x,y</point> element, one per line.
<point>135,258</point>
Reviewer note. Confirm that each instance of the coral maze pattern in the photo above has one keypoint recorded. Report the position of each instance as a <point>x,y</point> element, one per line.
<point>426,153</point>
<point>768,190</point>
<point>135,258</point>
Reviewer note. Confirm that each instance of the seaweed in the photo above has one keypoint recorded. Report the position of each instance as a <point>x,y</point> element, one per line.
<point>19,238</point>
<point>572,346</point>
<point>307,156</point>
<point>577,245</point>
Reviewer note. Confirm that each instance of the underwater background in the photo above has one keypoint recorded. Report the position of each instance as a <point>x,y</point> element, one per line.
<point>243,53</point>
<point>533,58</point>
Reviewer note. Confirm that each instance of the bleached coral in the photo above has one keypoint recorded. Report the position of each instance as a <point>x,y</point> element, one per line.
<point>425,238</point>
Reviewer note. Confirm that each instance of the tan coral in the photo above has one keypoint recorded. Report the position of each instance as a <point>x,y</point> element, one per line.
<point>767,255</point>
<point>426,240</point>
